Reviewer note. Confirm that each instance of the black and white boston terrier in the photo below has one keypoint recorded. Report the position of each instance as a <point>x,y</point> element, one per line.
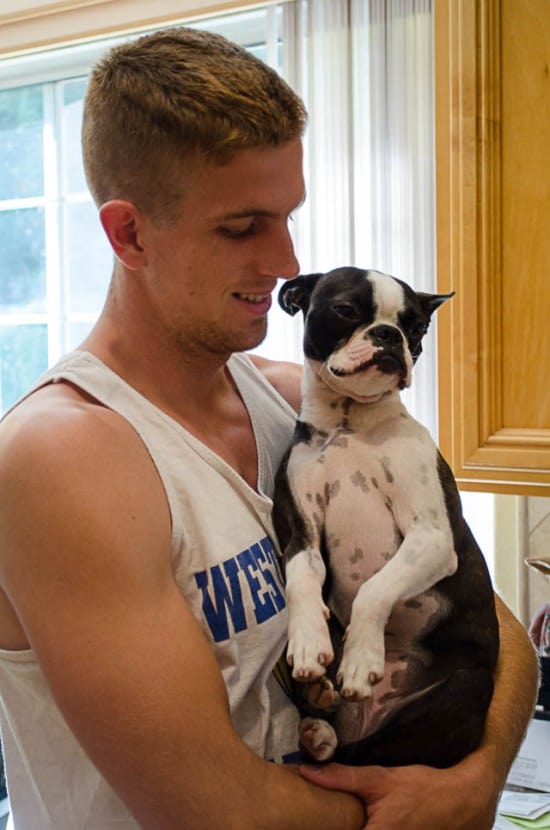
<point>392,625</point>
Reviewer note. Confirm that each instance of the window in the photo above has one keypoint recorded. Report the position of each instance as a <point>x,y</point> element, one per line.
<point>55,262</point>
<point>54,265</point>
<point>370,191</point>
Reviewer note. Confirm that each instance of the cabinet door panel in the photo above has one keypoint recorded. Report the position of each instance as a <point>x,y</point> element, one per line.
<point>493,235</point>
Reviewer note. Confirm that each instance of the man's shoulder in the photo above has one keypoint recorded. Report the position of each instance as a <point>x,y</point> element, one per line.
<point>284,376</point>
<point>57,422</point>
<point>63,454</point>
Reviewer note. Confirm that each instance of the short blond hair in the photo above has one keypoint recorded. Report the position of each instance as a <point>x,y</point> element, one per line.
<point>170,98</point>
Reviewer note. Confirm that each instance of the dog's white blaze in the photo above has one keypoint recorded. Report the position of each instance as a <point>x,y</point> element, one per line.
<point>388,296</point>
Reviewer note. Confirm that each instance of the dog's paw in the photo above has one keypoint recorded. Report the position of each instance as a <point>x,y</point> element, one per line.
<point>322,695</point>
<point>360,669</point>
<point>317,739</point>
<point>309,652</point>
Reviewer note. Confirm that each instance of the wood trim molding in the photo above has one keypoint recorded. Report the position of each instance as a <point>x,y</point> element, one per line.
<point>41,26</point>
<point>484,452</point>
<point>27,10</point>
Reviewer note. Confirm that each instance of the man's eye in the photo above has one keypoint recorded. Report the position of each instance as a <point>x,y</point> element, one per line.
<point>237,231</point>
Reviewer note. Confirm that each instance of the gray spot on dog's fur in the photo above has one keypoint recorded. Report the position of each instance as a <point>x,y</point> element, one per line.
<point>359,480</point>
<point>385,464</point>
<point>330,490</point>
<point>333,542</point>
<point>356,556</point>
<point>318,521</point>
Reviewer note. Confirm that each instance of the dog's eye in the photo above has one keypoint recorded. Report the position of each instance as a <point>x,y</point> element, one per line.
<point>418,330</point>
<point>345,310</point>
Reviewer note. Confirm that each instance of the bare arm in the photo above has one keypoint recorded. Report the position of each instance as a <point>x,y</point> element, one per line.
<point>128,665</point>
<point>465,796</point>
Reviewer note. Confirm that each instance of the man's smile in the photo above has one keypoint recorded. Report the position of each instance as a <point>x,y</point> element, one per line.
<point>253,298</point>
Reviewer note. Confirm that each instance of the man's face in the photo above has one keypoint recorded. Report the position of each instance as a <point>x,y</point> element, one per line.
<point>212,273</point>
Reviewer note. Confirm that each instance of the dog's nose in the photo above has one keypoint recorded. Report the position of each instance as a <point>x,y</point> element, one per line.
<point>384,335</point>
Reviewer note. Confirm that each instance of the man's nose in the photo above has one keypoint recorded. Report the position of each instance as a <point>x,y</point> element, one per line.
<point>280,260</point>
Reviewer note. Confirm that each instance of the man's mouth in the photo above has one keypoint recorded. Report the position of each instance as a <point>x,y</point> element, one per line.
<point>256,304</point>
<point>253,298</point>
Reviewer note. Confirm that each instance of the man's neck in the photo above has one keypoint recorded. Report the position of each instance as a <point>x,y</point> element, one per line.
<point>183,384</point>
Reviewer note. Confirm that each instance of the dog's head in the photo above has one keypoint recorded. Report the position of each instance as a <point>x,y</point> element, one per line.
<point>363,329</point>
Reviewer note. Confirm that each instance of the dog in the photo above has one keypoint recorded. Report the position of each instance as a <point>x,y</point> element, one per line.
<point>393,634</point>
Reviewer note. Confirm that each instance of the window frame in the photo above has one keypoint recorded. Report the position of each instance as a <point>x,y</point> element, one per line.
<point>53,70</point>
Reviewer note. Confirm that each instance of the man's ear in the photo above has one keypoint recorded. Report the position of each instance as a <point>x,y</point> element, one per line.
<point>431,302</point>
<point>295,294</point>
<point>121,222</point>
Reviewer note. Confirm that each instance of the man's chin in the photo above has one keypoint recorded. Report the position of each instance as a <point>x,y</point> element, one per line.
<point>242,341</point>
<point>252,339</point>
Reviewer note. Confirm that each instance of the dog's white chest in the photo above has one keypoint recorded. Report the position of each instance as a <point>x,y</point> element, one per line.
<point>354,490</point>
<point>342,485</point>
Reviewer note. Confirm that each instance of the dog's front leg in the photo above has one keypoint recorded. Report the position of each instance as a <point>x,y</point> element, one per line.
<point>309,647</point>
<point>425,556</point>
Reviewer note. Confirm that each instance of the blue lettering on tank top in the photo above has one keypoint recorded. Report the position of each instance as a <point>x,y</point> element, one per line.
<point>253,573</point>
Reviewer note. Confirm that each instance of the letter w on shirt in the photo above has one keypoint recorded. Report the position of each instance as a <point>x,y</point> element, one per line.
<point>245,585</point>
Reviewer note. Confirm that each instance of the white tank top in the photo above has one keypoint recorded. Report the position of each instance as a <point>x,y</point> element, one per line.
<point>225,564</point>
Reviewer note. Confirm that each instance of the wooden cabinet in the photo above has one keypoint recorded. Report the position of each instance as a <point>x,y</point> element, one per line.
<point>492,70</point>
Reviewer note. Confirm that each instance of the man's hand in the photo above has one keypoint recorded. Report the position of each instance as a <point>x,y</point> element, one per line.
<point>415,797</point>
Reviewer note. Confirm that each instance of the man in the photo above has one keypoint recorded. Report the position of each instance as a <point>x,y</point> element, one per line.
<point>142,608</point>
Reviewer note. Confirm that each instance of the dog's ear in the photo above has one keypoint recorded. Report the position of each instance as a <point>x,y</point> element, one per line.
<point>295,294</point>
<point>431,302</point>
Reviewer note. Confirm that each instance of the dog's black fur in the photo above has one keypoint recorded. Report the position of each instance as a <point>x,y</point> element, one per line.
<point>446,693</point>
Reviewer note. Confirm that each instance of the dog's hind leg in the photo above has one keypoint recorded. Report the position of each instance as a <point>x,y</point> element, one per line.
<point>318,739</point>
<point>437,728</point>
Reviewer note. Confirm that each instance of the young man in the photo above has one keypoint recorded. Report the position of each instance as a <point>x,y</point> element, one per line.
<point>142,609</point>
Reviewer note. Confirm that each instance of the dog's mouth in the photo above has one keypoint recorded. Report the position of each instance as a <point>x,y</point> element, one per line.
<point>390,363</point>
<point>387,362</point>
